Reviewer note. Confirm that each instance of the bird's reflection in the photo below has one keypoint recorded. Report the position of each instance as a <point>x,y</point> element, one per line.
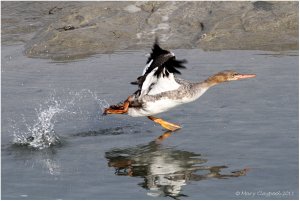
<point>165,169</point>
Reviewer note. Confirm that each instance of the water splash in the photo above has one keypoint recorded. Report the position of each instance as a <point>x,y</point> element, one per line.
<point>41,134</point>
<point>79,103</point>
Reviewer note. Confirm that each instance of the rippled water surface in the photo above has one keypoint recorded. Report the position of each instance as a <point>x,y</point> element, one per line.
<point>238,141</point>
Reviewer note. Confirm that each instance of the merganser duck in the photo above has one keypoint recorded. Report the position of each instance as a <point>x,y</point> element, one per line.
<point>160,90</point>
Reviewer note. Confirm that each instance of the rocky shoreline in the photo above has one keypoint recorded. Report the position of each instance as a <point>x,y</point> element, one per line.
<point>61,30</point>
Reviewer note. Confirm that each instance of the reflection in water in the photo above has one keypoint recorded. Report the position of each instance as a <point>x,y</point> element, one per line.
<point>165,169</point>
<point>45,159</point>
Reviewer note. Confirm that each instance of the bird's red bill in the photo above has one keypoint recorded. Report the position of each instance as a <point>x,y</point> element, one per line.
<point>244,76</point>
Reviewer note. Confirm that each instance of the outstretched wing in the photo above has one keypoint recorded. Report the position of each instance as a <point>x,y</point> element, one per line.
<point>158,75</point>
<point>157,57</point>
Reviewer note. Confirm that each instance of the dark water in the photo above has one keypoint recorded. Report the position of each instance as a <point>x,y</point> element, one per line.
<point>238,141</point>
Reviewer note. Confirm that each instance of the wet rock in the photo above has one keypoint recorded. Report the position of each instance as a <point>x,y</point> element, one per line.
<point>66,28</point>
<point>262,5</point>
<point>83,28</point>
<point>54,10</point>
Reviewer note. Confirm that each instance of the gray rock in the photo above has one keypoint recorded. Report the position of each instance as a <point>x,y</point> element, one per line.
<point>62,30</point>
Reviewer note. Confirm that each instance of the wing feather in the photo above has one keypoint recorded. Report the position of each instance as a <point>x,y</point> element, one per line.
<point>162,84</point>
<point>158,74</point>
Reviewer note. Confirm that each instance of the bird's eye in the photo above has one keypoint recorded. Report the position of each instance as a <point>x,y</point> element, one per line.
<point>235,74</point>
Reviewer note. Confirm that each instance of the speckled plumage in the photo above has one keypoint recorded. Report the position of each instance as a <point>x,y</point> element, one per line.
<point>161,102</point>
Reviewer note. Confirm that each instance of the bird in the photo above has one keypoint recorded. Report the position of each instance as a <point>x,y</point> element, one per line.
<point>159,89</point>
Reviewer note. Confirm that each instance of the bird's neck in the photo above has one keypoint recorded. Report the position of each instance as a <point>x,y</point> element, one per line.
<point>201,87</point>
<point>213,80</point>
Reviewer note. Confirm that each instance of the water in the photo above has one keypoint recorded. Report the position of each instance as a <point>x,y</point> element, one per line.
<point>42,135</point>
<point>238,141</point>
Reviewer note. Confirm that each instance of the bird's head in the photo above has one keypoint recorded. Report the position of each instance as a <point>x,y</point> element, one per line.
<point>228,75</point>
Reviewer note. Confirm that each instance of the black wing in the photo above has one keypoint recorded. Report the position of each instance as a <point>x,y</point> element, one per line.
<point>164,60</point>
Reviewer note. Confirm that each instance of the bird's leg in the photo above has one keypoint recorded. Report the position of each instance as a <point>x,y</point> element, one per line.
<point>120,109</point>
<point>165,124</point>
